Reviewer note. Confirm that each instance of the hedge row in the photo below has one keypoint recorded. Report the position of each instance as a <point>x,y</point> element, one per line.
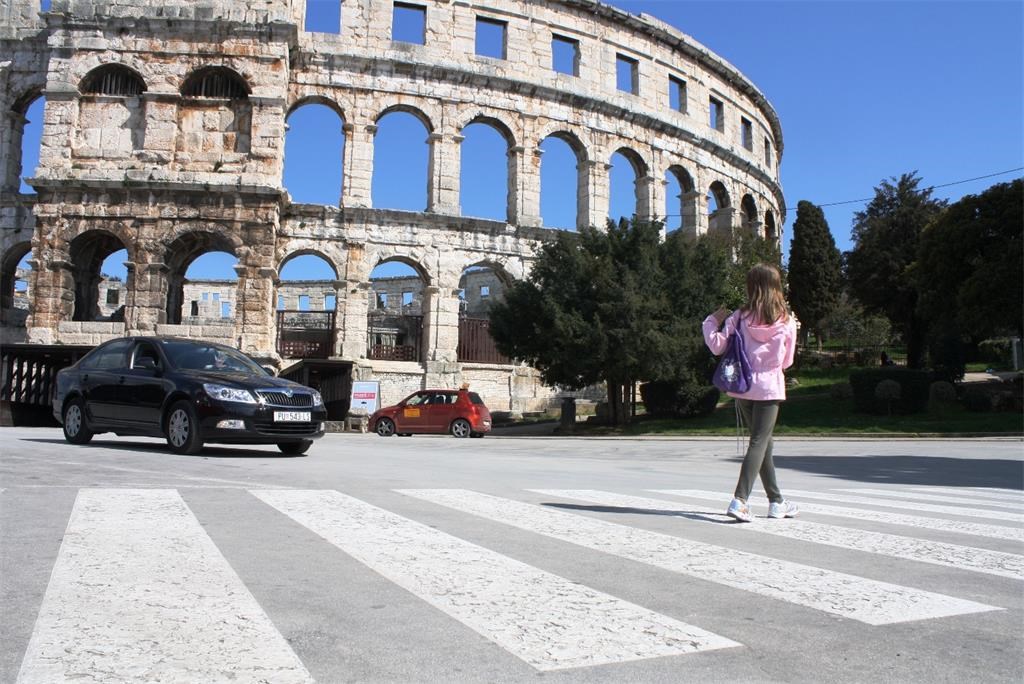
<point>913,395</point>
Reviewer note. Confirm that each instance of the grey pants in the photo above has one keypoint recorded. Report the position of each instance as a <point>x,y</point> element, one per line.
<point>760,417</point>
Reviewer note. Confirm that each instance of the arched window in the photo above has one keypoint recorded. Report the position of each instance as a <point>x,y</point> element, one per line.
<point>483,185</point>
<point>679,200</point>
<point>113,79</point>
<point>563,182</point>
<point>395,313</point>
<point>400,160</point>
<point>770,232</point>
<point>28,132</point>
<point>314,133</point>
<point>749,211</point>
<point>624,187</point>
<point>216,82</point>
<point>98,259</point>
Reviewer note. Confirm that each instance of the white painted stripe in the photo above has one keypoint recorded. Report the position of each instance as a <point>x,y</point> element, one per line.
<point>1017,492</point>
<point>938,553</point>
<point>938,524</point>
<point>967,494</point>
<point>965,499</point>
<point>963,511</point>
<point>139,592</point>
<point>546,620</point>
<point>857,598</point>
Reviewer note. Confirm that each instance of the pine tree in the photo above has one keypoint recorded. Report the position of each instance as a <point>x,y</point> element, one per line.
<point>814,270</point>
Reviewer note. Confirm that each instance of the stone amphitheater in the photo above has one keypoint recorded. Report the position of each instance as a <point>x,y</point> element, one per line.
<point>163,135</point>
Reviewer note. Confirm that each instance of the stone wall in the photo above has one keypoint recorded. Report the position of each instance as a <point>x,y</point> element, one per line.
<point>190,159</point>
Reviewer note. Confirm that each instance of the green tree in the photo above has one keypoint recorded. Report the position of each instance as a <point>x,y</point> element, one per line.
<point>886,235</point>
<point>594,308</point>
<point>970,264</point>
<point>814,270</point>
<point>741,252</point>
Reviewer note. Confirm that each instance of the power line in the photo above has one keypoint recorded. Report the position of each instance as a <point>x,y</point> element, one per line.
<point>933,187</point>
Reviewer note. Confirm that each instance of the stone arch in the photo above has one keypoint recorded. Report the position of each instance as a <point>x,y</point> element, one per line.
<point>748,211</point>
<point>314,132</point>
<point>423,117</point>
<point>641,204</point>
<point>215,81</point>
<point>13,169</point>
<point>770,231</point>
<point>8,277</point>
<point>494,121</point>
<point>308,251</point>
<point>720,194</point>
<point>680,207</point>
<point>411,171</point>
<point>184,248</point>
<point>397,310</point>
<point>113,79</point>
<point>86,252</point>
<point>479,193</point>
<point>317,99</point>
<point>579,151</point>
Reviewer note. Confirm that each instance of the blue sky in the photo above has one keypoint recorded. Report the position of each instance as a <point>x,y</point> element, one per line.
<point>865,90</point>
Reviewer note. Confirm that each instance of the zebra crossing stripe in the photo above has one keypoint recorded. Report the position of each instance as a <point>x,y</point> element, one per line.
<point>1013,498</point>
<point>139,592</point>
<point>964,511</point>
<point>938,553</point>
<point>857,598</point>
<point>939,524</point>
<point>543,619</point>
<point>963,500</point>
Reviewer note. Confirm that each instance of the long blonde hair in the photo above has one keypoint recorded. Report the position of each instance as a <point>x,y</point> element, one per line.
<point>764,295</point>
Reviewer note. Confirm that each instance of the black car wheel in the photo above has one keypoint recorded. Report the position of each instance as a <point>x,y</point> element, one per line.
<point>183,429</point>
<point>295,448</point>
<point>76,429</point>
<point>385,427</point>
<point>461,428</point>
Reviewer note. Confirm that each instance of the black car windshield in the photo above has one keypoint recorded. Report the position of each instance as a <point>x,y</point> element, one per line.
<point>210,357</point>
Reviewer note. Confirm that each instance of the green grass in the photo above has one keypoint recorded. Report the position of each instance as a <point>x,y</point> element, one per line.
<point>810,410</point>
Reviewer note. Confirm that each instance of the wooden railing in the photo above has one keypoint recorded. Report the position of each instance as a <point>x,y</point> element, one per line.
<point>394,337</point>
<point>475,342</point>
<point>305,334</point>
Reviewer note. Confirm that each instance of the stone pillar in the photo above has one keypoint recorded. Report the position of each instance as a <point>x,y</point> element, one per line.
<point>722,222</point>
<point>694,209</point>
<point>647,192</point>
<point>443,182</point>
<point>598,183</point>
<point>161,113</point>
<point>340,291</point>
<point>10,152</point>
<point>353,309</point>
<point>255,324</point>
<point>357,174</point>
<point>524,186</point>
<point>583,199</point>
<point>441,323</point>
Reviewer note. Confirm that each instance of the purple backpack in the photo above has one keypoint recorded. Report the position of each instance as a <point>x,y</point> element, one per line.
<point>733,372</point>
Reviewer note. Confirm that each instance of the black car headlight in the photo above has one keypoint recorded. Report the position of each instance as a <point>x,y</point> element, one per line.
<point>225,393</point>
<point>317,399</point>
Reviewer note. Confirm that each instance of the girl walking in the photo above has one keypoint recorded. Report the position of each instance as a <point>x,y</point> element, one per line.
<point>769,335</point>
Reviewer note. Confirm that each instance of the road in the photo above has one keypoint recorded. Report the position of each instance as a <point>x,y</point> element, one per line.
<point>508,559</point>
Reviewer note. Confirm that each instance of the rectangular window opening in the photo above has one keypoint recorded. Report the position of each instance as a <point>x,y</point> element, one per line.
<point>225,309</point>
<point>280,302</point>
<point>323,16</point>
<point>677,94</point>
<point>206,296</point>
<point>747,133</point>
<point>626,74</point>
<point>407,299</point>
<point>491,37</point>
<point>717,115</point>
<point>112,296</point>
<point>303,302</point>
<point>409,23</point>
<point>330,302</point>
<point>767,153</point>
<point>382,300</point>
<point>485,291</point>
<point>565,55</point>
<point>216,296</point>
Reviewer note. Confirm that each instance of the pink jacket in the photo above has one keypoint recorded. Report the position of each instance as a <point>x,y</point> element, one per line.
<point>769,348</point>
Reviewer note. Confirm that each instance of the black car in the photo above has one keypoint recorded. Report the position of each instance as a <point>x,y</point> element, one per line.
<point>188,391</point>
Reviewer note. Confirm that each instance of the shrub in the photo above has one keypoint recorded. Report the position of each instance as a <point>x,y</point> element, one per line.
<point>941,392</point>
<point>664,399</point>
<point>659,398</point>
<point>913,385</point>
<point>977,400</point>
<point>840,391</point>
<point>887,391</point>
<point>698,400</point>
<point>947,357</point>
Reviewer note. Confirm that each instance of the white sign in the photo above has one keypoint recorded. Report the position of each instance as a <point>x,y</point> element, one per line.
<point>365,395</point>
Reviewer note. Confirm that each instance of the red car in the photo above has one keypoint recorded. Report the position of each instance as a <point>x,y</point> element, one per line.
<point>439,411</point>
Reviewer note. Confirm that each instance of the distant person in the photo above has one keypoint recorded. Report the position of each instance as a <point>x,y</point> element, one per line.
<point>769,335</point>
<point>885,360</point>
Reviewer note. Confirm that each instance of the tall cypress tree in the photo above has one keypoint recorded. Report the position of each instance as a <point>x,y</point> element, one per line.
<point>886,235</point>
<point>814,269</point>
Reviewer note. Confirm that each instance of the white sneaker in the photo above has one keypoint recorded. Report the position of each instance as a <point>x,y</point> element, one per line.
<point>739,510</point>
<point>783,509</point>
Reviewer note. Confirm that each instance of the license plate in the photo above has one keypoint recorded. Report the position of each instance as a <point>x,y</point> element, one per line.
<point>291,416</point>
